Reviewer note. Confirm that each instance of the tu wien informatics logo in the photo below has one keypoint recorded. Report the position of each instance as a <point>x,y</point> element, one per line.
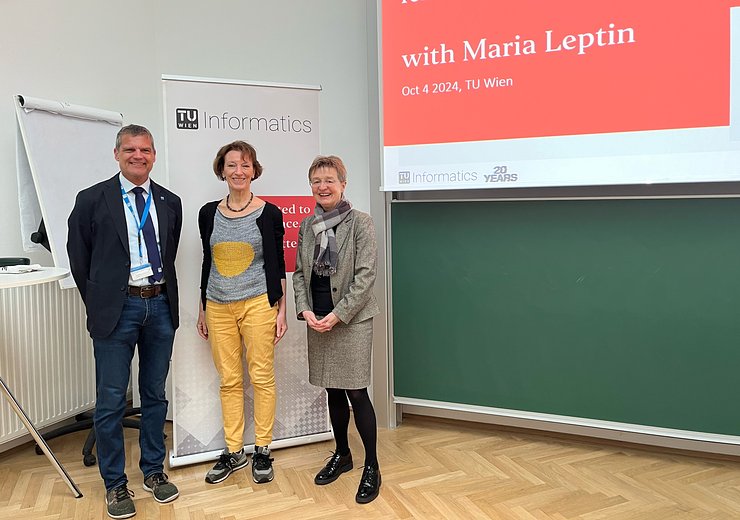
<point>186,118</point>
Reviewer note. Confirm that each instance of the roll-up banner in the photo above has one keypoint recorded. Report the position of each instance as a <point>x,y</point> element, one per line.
<point>282,123</point>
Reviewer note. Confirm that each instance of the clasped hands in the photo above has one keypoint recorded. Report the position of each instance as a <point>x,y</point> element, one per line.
<point>325,324</point>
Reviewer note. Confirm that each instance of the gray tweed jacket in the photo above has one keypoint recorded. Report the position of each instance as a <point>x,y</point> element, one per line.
<point>352,285</point>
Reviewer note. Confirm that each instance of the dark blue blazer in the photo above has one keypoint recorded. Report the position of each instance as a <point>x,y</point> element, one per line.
<point>97,246</point>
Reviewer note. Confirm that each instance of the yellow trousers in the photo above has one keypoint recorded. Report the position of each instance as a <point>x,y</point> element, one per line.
<point>250,323</point>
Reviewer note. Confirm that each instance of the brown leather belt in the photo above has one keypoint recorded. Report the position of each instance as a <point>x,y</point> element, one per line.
<point>146,291</point>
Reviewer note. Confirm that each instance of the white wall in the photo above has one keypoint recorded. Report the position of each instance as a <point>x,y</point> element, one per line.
<point>111,55</point>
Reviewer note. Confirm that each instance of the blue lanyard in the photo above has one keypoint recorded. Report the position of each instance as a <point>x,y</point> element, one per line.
<point>144,215</point>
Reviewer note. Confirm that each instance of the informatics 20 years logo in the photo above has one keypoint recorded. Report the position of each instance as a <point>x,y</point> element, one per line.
<point>186,118</point>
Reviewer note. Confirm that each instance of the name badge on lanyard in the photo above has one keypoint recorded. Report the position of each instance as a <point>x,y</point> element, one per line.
<point>141,269</point>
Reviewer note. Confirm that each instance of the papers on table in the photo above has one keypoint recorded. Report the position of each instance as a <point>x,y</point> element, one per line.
<point>19,269</point>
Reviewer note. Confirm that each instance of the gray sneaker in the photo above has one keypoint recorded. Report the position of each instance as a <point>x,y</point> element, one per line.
<point>119,503</point>
<point>262,465</point>
<point>227,464</point>
<point>159,485</point>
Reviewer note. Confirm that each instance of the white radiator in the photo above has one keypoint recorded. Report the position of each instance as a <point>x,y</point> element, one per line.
<point>46,356</point>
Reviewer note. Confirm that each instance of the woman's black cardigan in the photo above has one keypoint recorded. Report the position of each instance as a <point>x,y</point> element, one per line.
<point>270,224</point>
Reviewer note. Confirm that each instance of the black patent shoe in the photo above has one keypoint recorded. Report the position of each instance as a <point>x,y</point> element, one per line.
<point>337,465</point>
<point>369,485</point>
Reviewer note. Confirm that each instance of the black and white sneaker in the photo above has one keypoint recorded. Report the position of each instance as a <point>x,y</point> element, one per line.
<point>227,464</point>
<point>159,485</point>
<point>262,465</point>
<point>119,504</point>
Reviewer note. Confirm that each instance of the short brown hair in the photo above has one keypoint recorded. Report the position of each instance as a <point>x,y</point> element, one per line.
<point>246,149</point>
<point>329,161</point>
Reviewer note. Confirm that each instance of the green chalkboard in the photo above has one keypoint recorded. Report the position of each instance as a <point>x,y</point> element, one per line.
<point>618,310</point>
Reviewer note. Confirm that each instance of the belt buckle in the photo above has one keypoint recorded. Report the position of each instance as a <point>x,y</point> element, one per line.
<point>147,291</point>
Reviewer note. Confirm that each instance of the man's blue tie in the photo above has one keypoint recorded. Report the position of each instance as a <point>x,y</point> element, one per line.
<point>150,238</point>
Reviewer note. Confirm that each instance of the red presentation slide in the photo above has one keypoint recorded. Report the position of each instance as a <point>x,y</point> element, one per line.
<point>474,70</point>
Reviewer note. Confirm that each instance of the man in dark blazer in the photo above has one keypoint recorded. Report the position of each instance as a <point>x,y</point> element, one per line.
<point>122,242</point>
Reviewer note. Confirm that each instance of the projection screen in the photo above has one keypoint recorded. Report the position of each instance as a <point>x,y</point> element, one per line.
<point>481,94</point>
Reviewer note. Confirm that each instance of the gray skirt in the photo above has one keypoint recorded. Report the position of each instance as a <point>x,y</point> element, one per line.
<point>341,357</point>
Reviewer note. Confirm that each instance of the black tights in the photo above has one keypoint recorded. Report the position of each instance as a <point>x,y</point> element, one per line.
<point>364,420</point>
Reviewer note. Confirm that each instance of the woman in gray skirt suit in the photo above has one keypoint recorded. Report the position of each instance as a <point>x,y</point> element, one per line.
<point>333,283</point>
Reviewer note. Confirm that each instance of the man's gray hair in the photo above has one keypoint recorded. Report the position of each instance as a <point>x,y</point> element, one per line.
<point>133,131</point>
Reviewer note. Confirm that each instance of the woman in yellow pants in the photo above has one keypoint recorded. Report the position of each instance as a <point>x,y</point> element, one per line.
<point>242,303</point>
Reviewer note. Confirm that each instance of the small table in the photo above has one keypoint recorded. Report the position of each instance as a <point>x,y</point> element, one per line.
<point>45,275</point>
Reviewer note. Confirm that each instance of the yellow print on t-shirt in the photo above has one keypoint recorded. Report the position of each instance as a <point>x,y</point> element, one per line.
<point>232,258</point>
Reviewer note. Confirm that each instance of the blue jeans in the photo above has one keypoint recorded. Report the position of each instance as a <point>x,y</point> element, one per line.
<point>148,324</point>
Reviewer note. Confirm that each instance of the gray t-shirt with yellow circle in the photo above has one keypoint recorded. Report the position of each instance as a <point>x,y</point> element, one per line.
<point>237,270</point>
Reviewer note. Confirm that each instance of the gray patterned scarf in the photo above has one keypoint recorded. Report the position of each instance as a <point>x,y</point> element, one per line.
<point>325,251</point>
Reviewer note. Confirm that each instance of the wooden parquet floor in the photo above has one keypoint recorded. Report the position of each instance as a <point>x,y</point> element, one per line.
<point>431,469</point>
